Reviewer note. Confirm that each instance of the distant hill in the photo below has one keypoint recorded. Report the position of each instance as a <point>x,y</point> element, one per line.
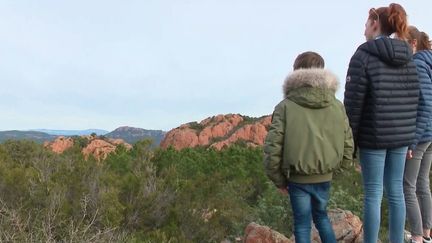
<point>72,132</point>
<point>38,137</point>
<point>132,135</point>
<point>128,134</point>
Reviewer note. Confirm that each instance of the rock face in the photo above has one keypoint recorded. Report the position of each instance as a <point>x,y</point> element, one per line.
<point>347,228</point>
<point>97,147</point>
<point>119,141</point>
<point>218,132</point>
<point>254,134</point>
<point>255,233</point>
<point>60,144</point>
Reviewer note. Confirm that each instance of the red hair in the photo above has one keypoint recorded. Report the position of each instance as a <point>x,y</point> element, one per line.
<point>392,19</point>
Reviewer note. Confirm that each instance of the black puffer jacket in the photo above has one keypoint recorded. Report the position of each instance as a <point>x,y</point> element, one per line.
<point>382,94</point>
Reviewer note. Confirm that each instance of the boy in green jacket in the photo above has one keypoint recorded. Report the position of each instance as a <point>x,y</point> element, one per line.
<point>308,140</point>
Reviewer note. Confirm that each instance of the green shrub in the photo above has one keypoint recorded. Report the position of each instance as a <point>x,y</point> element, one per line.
<point>146,195</point>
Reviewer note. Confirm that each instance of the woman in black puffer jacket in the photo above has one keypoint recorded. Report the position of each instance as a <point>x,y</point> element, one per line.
<point>381,98</point>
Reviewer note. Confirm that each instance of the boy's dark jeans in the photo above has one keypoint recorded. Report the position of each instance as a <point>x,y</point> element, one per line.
<point>309,202</point>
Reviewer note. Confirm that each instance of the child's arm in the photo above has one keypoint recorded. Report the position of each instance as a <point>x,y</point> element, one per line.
<point>348,144</point>
<point>273,148</point>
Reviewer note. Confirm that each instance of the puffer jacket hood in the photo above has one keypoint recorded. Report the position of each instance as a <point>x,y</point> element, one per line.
<point>394,52</point>
<point>424,56</point>
<point>313,88</point>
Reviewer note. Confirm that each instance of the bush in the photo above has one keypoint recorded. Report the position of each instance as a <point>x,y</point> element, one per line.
<point>145,195</point>
<point>347,191</point>
<point>274,210</point>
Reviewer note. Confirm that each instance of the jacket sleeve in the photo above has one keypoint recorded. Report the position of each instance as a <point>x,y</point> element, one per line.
<point>356,87</point>
<point>424,113</point>
<point>348,144</point>
<point>273,148</point>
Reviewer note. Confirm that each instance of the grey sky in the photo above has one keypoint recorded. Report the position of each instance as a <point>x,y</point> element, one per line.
<point>157,64</point>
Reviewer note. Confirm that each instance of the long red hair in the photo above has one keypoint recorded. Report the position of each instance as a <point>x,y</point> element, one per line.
<point>392,19</point>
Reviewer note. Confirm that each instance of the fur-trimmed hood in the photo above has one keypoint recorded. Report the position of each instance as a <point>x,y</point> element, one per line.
<point>314,88</point>
<point>314,77</point>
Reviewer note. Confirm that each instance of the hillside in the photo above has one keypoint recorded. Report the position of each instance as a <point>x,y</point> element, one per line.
<point>144,195</point>
<point>128,134</point>
<point>133,134</point>
<point>218,132</point>
<point>35,136</point>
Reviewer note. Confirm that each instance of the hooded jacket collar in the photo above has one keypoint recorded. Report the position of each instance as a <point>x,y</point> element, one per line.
<point>312,88</point>
<point>394,52</point>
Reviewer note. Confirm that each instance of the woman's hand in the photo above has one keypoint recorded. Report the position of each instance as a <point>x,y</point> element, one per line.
<point>409,154</point>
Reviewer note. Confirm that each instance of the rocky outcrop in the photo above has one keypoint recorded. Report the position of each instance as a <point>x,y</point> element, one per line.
<point>255,233</point>
<point>119,141</point>
<point>218,132</point>
<point>182,137</point>
<point>97,147</point>
<point>253,134</point>
<point>347,228</point>
<point>60,144</point>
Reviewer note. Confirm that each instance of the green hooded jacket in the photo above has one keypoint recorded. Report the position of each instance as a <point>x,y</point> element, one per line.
<point>310,136</point>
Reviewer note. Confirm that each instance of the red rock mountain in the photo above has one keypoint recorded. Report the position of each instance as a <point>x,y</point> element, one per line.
<point>99,148</point>
<point>218,132</point>
<point>60,144</point>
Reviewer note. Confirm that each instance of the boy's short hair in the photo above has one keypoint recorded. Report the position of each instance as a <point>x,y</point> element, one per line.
<point>308,59</point>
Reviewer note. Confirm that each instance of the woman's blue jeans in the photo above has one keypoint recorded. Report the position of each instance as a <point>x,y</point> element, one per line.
<point>309,202</point>
<point>383,170</point>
